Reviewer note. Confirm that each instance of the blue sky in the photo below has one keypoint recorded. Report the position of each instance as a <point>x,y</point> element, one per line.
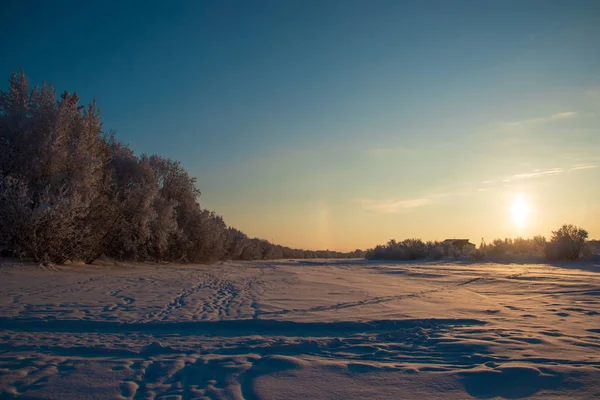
<point>341,124</point>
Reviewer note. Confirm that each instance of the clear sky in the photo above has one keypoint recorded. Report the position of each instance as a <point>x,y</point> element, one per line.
<point>342,124</point>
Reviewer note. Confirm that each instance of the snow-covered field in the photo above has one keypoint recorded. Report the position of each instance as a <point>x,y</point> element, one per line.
<point>300,330</point>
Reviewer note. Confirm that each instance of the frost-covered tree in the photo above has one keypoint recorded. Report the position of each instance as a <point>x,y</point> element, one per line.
<point>52,156</point>
<point>68,191</point>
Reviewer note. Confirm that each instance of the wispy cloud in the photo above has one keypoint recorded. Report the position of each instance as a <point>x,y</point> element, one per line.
<point>577,167</point>
<point>394,206</point>
<point>539,173</point>
<point>567,114</point>
<point>553,117</point>
<point>535,174</point>
<point>408,204</point>
<point>405,205</point>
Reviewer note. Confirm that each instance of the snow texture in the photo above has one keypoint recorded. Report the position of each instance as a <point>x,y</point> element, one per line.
<point>348,329</point>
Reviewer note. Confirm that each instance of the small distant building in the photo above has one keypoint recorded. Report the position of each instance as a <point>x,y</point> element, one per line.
<point>462,246</point>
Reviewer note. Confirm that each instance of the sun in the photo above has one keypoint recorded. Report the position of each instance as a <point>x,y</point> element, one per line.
<point>520,210</point>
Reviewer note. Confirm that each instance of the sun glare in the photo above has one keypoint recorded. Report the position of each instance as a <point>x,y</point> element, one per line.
<point>520,210</point>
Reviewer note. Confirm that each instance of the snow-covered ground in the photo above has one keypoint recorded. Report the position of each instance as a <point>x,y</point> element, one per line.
<point>300,330</point>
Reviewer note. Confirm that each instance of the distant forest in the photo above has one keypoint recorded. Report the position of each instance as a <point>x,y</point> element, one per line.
<point>569,242</point>
<point>70,191</point>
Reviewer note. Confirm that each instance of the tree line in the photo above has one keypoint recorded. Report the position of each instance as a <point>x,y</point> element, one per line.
<point>569,242</point>
<point>70,191</point>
